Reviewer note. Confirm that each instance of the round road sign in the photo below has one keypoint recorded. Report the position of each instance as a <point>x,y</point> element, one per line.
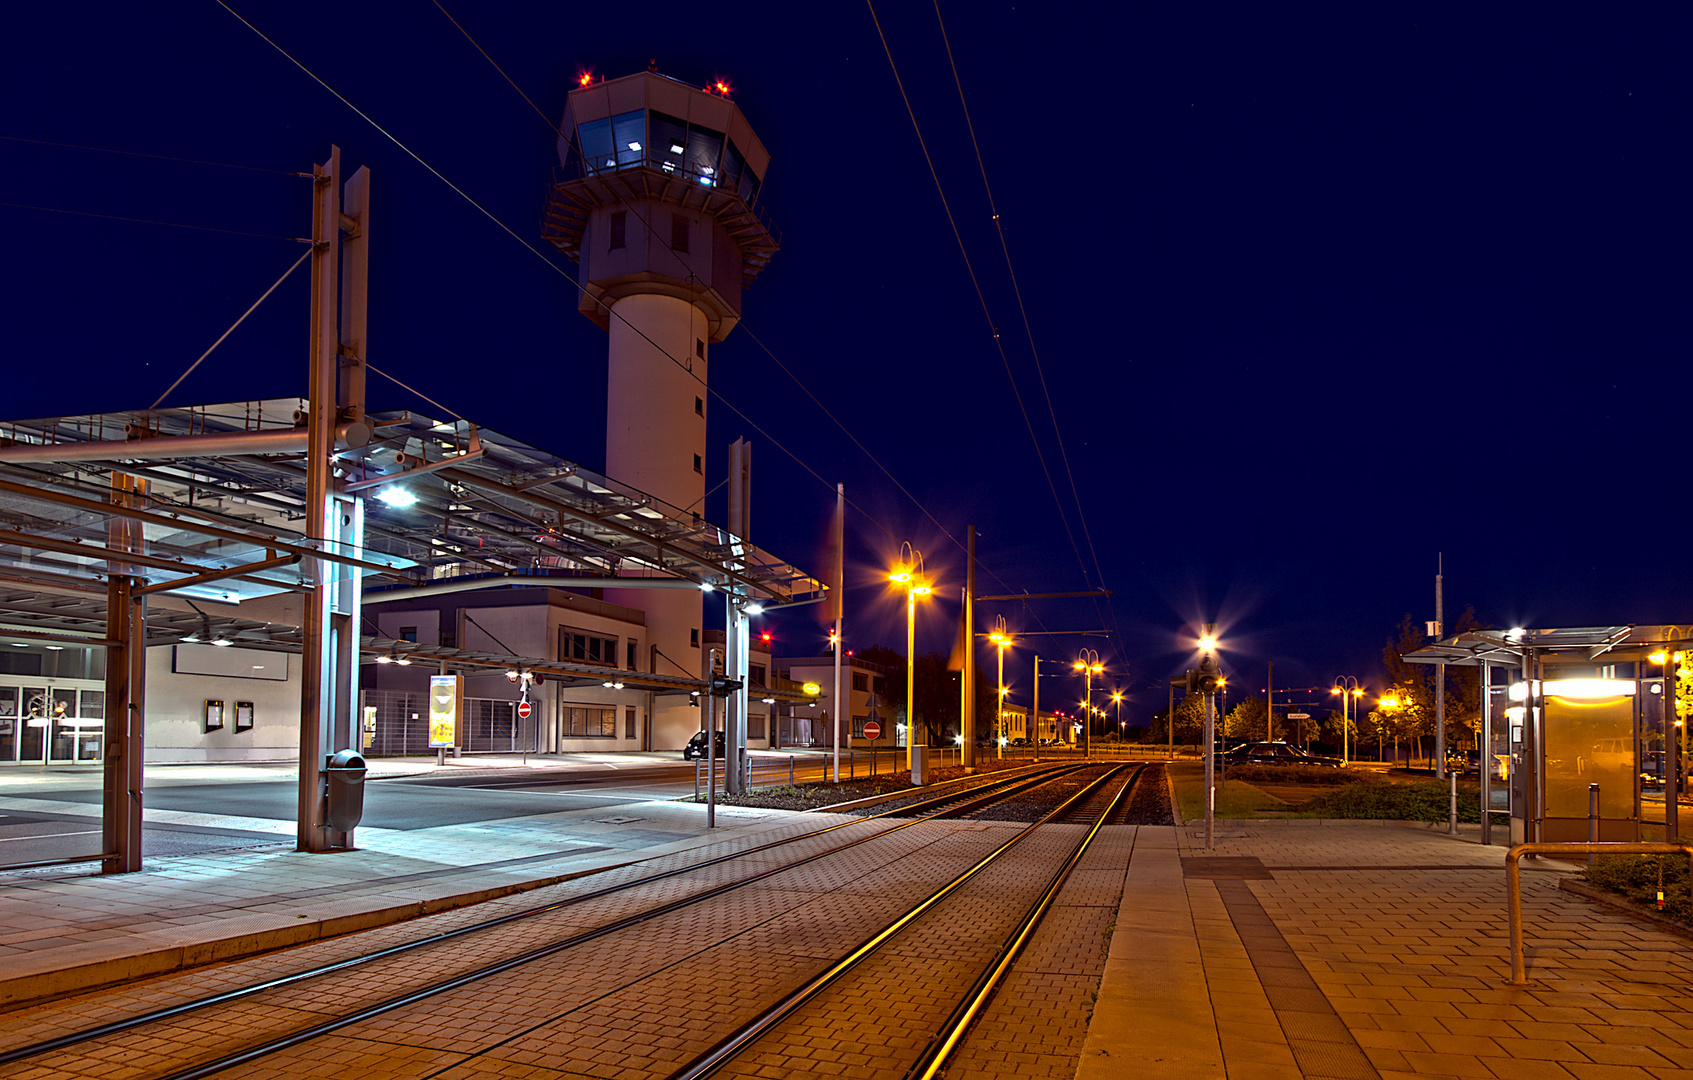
<point>523,710</point>
<point>872,731</point>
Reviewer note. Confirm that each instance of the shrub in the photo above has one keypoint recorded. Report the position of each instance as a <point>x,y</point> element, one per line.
<point>1309,775</point>
<point>1637,877</point>
<point>1396,802</point>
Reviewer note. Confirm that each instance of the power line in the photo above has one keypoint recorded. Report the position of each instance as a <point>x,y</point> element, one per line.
<point>151,221</point>
<point>156,157</point>
<point>655,235</point>
<point>1022,309</point>
<point>303,257</point>
<point>537,253</point>
<point>975,283</point>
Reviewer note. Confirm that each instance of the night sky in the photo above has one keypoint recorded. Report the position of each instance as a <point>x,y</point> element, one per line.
<point>1319,292</point>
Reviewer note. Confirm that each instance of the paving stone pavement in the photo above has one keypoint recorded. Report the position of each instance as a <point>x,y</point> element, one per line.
<point>1375,950</point>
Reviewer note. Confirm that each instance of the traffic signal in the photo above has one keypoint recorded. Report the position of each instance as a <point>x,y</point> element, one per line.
<point>1209,675</point>
<point>723,686</point>
<point>1193,682</point>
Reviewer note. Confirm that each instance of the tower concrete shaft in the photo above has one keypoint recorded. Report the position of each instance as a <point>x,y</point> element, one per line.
<point>656,198</point>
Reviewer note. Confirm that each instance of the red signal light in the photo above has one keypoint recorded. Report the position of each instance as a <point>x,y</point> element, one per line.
<point>585,78</point>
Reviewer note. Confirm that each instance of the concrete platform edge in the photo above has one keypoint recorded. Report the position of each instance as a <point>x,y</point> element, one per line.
<point>28,988</point>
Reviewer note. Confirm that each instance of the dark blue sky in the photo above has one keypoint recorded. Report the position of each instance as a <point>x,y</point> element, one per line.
<point>1319,291</point>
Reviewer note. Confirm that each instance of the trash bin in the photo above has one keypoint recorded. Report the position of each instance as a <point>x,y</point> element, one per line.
<point>919,765</point>
<point>345,773</point>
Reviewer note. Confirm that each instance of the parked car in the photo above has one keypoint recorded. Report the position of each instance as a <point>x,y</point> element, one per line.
<point>1276,753</point>
<point>695,750</point>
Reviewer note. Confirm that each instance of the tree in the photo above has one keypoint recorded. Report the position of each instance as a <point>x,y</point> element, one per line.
<point>1248,720</point>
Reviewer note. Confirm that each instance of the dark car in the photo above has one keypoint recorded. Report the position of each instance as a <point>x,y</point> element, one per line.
<point>695,750</point>
<point>1276,753</point>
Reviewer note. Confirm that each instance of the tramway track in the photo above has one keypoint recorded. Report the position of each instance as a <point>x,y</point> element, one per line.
<point>929,809</point>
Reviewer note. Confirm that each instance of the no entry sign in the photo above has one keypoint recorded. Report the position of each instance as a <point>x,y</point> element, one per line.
<point>523,710</point>
<point>872,731</point>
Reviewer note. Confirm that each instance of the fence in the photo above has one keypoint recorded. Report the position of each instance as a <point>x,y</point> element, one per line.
<point>762,772</point>
<point>491,726</point>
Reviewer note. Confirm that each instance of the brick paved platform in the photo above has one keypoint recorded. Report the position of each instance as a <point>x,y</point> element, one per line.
<point>60,935</point>
<point>1374,950</point>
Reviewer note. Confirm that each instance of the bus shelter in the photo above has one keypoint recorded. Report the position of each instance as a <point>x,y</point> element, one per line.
<point>1579,729</point>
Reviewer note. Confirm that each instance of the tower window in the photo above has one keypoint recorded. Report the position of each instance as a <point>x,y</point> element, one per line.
<point>694,636</point>
<point>699,466</point>
<point>678,233</point>
<point>699,348</point>
<point>699,406</point>
<point>619,223</point>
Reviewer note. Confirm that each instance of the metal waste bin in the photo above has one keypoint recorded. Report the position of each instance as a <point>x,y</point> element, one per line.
<point>345,773</point>
<point>919,765</point>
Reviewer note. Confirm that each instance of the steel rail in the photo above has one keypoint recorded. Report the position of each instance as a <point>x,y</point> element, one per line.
<point>708,1063</point>
<point>941,1046</point>
<point>985,792</point>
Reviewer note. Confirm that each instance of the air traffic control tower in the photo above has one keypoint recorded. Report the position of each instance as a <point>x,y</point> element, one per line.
<point>656,199</point>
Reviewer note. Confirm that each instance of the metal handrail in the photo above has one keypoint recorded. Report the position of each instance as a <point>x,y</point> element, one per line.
<point>1514,886</point>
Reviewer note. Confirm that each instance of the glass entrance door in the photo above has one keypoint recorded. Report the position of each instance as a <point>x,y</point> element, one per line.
<point>32,742</point>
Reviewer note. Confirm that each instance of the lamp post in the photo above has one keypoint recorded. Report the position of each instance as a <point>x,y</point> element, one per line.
<point>1117,706</point>
<point>1001,639</point>
<point>1349,690</point>
<point>1087,662</point>
<point>909,576</point>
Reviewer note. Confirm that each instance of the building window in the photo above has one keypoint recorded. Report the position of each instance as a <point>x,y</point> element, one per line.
<point>587,721</point>
<point>699,348</point>
<point>408,633</point>
<point>860,681</point>
<point>881,685</point>
<point>699,466</point>
<point>586,648</point>
<point>699,406</point>
<point>631,654</point>
<point>678,233</point>
<point>755,672</point>
<point>694,636</point>
<point>619,225</point>
<point>629,722</point>
<point>755,725</point>
<point>858,723</point>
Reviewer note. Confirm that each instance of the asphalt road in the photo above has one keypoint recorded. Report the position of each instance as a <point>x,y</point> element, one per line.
<point>415,803</point>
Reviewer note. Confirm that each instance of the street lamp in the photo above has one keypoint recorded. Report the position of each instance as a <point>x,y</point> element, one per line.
<point>1349,690</point>
<point>1000,637</point>
<point>1117,705</point>
<point>909,576</point>
<point>1087,662</point>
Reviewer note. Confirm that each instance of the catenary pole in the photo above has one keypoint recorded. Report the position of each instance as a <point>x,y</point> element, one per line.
<point>840,615</point>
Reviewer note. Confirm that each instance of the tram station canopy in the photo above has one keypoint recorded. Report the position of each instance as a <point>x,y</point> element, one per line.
<point>453,506</point>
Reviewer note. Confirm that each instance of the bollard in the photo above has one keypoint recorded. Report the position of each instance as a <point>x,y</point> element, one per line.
<point>1452,813</point>
<point>1592,818</point>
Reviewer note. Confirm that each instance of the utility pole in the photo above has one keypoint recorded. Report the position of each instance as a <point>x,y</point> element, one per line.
<point>1034,713</point>
<point>840,615</point>
<point>967,755</point>
<point>1270,705</point>
<point>329,670</point>
<point>1438,631</point>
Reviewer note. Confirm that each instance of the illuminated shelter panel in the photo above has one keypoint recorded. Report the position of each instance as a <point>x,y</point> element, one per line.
<point>1589,741</point>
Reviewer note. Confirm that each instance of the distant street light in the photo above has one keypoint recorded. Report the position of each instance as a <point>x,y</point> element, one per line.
<point>909,576</point>
<point>1349,690</point>
<point>1087,662</point>
<point>1001,639</point>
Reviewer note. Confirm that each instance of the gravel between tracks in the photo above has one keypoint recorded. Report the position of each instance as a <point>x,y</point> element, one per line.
<point>812,796</point>
<point>1036,803</point>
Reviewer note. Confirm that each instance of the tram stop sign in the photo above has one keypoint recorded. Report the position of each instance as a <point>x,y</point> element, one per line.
<point>872,731</point>
<point>523,710</point>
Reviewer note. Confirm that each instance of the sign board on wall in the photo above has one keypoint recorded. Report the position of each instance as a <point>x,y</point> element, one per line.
<point>445,696</point>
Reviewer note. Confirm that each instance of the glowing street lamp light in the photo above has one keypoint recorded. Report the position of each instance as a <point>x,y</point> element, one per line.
<point>1350,691</point>
<point>1001,639</point>
<point>909,576</point>
<point>1087,662</point>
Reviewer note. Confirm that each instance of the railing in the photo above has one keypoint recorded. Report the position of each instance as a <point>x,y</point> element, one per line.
<point>1514,885</point>
<point>762,772</point>
<point>578,169</point>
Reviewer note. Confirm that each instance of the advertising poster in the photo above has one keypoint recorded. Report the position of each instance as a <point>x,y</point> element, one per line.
<point>443,710</point>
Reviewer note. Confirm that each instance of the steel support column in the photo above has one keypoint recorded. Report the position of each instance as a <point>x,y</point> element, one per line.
<point>126,671</point>
<point>967,751</point>
<point>735,648</point>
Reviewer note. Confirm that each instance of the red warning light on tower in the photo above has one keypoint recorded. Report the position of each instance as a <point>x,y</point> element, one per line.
<point>584,78</point>
<point>718,86</point>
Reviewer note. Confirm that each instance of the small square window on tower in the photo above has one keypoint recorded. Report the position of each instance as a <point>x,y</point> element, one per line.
<point>619,223</point>
<point>678,233</point>
<point>699,348</point>
<point>699,466</point>
<point>694,636</point>
<point>699,406</point>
